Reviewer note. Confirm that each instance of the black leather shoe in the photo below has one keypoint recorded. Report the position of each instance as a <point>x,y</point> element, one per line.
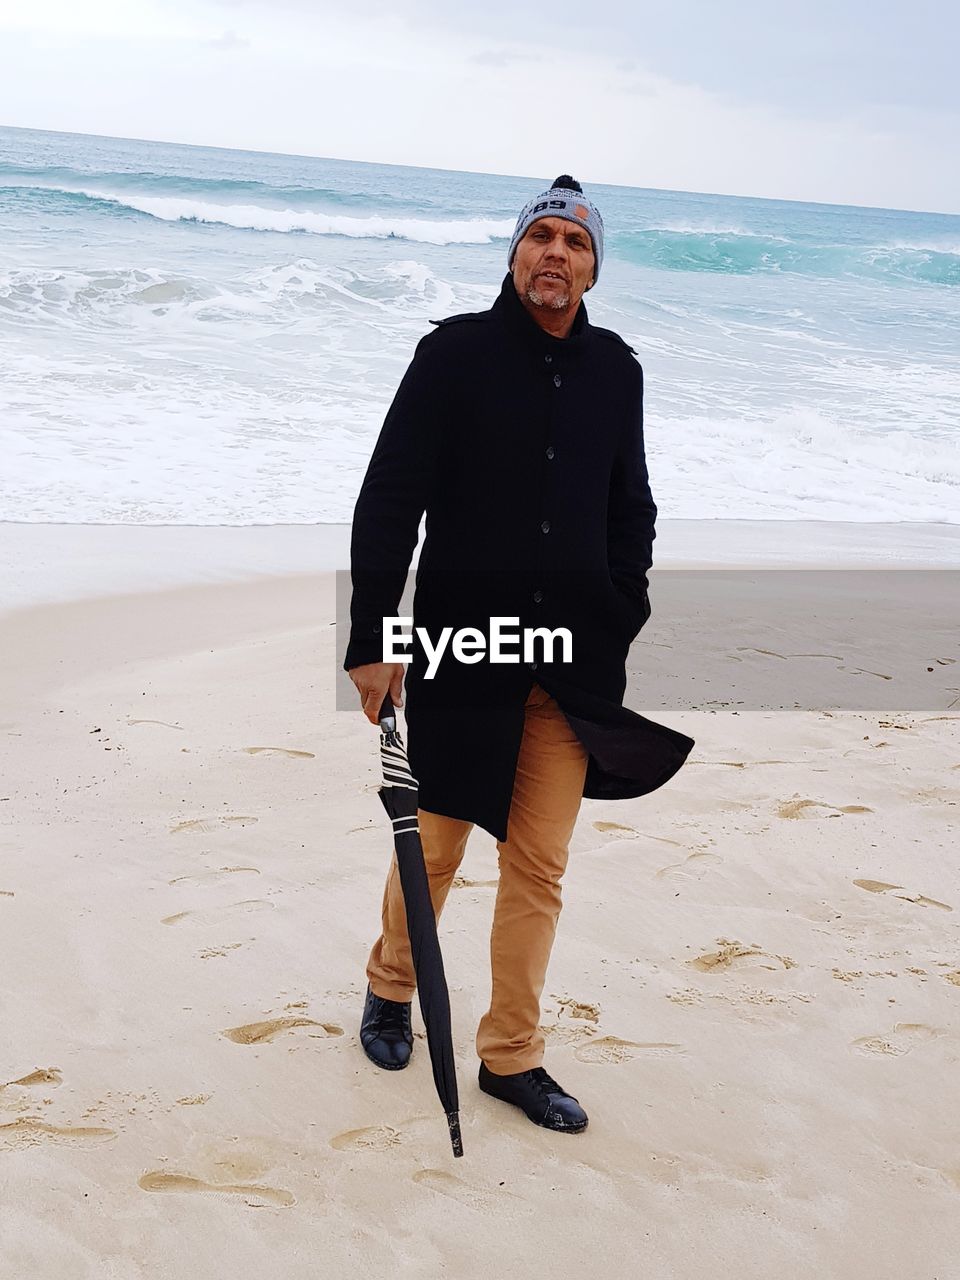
<point>385,1031</point>
<point>539,1095</point>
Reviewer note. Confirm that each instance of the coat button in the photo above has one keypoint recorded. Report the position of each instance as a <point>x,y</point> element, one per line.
<point>376,628</point>
<point>557,379</point>
<point>550,451</point>
<point>548,359</point>
<point>537,597</point>
<point>532,666</point>
<point>545,526</point>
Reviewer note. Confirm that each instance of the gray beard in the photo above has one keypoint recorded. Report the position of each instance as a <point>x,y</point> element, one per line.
<point>560,303</point>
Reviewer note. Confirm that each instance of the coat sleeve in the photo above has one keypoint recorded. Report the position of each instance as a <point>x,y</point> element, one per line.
<point>399,479</point>
<point>631,512</point>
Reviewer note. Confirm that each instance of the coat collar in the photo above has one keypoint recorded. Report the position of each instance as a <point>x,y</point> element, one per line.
<point>510,311</point>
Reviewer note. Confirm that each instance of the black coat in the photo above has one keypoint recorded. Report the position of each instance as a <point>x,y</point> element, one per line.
<point>526,453</point>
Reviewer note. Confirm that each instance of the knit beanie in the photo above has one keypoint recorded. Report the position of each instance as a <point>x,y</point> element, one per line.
<point>565,199</point>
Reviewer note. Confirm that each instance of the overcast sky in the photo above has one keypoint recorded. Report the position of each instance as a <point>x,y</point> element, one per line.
<point>844,101</point>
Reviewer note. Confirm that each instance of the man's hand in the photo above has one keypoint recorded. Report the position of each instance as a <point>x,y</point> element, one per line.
<point>373,680</point>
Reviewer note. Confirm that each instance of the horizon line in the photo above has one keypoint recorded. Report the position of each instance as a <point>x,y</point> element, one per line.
<point>382,164</point>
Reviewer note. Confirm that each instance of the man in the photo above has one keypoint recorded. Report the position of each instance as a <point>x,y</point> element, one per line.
<point>519,431</point>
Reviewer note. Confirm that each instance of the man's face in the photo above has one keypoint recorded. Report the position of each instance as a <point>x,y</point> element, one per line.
<point>554,264</point>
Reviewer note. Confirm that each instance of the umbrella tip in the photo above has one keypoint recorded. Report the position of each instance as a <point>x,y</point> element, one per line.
<point>453,1120</point>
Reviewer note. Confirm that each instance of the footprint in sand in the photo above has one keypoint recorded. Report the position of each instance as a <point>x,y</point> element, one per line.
<point>613,1049</point>
<point>15,1094</point>
<point>248,907</point>
<point>211,953</point>
<point>379,1137</point>
<point>454,1188</point>
<point>263,1032</point>
<point>736,955</point>
<point>257,1197</point>
<point>621,832</point>
<point>563,1033</point>
<point>578,1008</point>
<point>214,824</point>
<point>881,886</point>
<point>797,808</point>
<point>459,882</point>
<point>41,1075</point>
<point>280,751</point>
<point>617,827</point>
<point>28,1132</point>
<point>693,867</point>
<point>214,877</point>
<point>904,1037</point>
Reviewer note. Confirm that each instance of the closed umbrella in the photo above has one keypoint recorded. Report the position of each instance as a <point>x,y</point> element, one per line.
<point>398,793</point>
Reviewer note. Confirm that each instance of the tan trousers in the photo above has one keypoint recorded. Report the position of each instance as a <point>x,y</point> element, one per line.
<point>546,800</point>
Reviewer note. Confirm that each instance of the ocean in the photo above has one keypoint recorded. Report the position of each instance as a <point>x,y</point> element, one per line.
<point>200,336</point>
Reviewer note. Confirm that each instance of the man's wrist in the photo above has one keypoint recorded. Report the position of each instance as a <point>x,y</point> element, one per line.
<point>363,649</point>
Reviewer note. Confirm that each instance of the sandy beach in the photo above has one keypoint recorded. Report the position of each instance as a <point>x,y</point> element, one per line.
<point>755,989</point>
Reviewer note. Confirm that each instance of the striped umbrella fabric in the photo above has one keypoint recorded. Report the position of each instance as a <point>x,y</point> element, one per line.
<point>398,794</point>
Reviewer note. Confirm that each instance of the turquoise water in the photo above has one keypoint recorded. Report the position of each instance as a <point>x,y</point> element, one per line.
<point>201,336</point>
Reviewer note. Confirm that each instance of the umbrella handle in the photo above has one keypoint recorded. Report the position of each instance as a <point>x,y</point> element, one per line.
<point>388,715</point>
